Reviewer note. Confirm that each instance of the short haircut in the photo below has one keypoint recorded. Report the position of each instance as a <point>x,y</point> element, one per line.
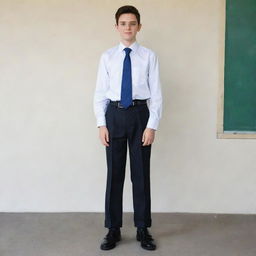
<point>127,9</point>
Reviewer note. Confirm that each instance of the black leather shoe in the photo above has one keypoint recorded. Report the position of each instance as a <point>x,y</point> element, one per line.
<point>109,241</point>
<point>145,239</point>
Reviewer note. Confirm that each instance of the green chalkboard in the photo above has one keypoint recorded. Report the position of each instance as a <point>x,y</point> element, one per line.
<point>240,66</point>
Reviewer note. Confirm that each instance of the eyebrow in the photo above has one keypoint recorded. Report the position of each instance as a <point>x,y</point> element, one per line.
<point>133,21</point>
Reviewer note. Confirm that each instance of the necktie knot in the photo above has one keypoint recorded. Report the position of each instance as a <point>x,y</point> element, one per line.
<point>127,50</point>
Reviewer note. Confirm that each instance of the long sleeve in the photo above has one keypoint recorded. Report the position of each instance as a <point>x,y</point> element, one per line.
<point>155,102</point>
<point>102,85</point>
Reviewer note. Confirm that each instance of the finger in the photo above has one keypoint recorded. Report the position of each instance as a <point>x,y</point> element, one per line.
<point>143,137</point>
<point>145,142</point>
<point>107,137</point>
<point>106,140</point>
<point>106,143</point>
<point>103,141</point>
<point>149,141</point>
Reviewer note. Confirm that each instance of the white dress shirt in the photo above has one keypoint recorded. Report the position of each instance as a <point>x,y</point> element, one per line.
<point>145,81</point>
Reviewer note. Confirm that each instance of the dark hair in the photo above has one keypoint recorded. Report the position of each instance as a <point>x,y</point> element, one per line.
<point>127,9</point>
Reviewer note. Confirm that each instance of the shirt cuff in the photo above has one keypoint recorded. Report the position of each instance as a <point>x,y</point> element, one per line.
<point>152,123</point>
<point>101,121</point>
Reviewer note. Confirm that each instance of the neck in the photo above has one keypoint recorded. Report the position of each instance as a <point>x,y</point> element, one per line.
<point>128,43</point>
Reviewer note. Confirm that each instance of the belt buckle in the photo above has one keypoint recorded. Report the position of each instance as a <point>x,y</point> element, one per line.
<point>119,105</point>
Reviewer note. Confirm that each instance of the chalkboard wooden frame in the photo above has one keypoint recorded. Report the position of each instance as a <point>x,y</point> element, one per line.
<point>221,134</point>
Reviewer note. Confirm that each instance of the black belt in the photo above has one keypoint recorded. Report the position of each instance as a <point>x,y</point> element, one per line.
<point>134,103</point>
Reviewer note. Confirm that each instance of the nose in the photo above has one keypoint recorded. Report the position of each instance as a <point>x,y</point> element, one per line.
<point>128,27</point>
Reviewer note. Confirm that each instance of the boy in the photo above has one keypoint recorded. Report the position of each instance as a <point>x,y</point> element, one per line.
<point>128,107</point>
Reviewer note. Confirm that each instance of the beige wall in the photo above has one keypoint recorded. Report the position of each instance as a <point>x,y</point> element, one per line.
<point>50,155</point>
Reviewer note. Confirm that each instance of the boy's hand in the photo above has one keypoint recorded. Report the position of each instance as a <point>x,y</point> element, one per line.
<point>148,136</point>
<point>104,137</point>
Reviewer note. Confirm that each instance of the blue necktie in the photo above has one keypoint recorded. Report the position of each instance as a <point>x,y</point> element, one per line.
<point>126,90</point>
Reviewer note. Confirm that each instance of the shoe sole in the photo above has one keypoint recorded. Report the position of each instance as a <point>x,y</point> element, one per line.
<point>109,248</point>
<point>149,249</point>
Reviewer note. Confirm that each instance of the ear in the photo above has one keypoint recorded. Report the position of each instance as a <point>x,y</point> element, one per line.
<point>139,28</point>
<point>116,26</point>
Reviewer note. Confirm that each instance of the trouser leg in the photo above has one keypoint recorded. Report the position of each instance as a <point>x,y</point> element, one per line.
<point>140,167</point>
<point>116,161</point>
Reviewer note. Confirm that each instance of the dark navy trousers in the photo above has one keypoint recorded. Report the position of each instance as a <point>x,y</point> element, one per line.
<point>126,127</point>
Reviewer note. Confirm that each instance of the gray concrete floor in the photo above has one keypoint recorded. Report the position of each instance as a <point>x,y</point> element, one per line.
<point>176,234</point>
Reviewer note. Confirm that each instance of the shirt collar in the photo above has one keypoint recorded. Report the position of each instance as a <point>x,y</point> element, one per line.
<point>134,46</point>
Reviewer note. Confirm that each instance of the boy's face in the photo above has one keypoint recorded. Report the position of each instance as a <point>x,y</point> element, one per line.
<point>128,27</point>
